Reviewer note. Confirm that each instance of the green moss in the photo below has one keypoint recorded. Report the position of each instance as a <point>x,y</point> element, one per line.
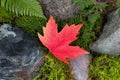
<point>105,67</point>
<point>5,16</point>
<point>86,36</point>
<point>30,24</point>
<point>53,69</point>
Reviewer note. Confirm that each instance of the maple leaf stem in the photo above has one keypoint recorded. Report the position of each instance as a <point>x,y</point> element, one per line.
<point>38,63</point>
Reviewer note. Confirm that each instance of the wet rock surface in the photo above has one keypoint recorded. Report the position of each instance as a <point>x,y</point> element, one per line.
<point>19,52</point>
<point>80,67</point>
<point>60,9</point>
<point>109,41</point>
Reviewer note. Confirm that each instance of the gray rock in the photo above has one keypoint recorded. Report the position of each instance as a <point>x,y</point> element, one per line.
<point>60,9</point>
<point>80,67</point>
<point>109,41</point>
<point>19,52</point>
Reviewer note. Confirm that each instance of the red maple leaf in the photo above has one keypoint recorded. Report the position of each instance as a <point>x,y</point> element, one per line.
<point>58,42</point>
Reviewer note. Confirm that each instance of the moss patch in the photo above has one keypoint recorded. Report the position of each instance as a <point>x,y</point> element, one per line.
<point>30,24</point>
<point>5,16</point>
<point>105,67</point>
<point>53,69</point>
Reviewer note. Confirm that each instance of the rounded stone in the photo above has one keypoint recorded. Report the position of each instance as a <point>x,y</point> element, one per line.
<point>19,52</point>
<point>60,9</point>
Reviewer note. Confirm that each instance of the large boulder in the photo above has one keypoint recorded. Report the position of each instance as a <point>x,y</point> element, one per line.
<point>109,41</point>
<point>60,9</point>
<point>19,52</point>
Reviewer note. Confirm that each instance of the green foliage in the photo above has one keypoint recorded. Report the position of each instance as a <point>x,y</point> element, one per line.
<point>93,17</point>
<point>86,37</point>
<point>53,69</point>
<point>89,10</point>
<point>105,67</point>
<point>23,7</point>
<point>5,16</point>
<point>30,24</point>
<point>118,3</point>
<point>87,33</point>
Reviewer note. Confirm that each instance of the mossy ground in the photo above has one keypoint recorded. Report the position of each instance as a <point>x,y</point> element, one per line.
<point>102,67</point>
<point>105,67</point>
<point>54,70</point>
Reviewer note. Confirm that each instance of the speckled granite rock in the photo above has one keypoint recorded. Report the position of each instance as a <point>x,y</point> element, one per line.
<point>109,41</point>
<point>80,67</point>
<point>18,53</point>
<point>60,9</point>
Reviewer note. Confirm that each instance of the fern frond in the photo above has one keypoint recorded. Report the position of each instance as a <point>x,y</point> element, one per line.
<point>23,7</point>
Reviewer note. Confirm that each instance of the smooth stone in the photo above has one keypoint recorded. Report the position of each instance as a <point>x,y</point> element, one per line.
<point>80,67</point>
<point>109,40</point>
<point>19,52</point>
<point>60,9</point>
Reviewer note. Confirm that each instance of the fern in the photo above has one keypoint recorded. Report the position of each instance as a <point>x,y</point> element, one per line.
<point>23,7</point>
